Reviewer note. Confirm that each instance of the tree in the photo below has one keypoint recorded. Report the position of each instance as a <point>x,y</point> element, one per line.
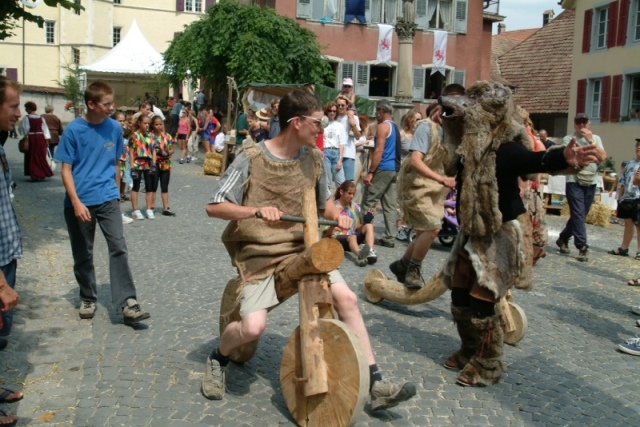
<point>247,42</point>
<point>72,89</point>
<point>13,11</point>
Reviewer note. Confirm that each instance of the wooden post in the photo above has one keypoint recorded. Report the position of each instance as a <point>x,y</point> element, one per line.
<point>312,290</point>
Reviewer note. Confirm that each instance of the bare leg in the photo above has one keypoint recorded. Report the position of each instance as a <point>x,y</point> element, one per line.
<point>241,332</point>
<point>353,244</point>
<point>369,236</point>
<point>165,201</point>
<point>346,304</point>
<point>134,200</point>
<point>627,234</point>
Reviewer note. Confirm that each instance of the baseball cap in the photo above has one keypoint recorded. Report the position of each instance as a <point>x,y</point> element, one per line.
<point>347,82</point>
<point>580,116</point>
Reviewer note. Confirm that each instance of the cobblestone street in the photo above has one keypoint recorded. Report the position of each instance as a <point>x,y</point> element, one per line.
<point>73,372</point>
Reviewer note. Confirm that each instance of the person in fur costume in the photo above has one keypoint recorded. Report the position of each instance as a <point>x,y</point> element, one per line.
<point>493,251</point>
<point>269,178</point>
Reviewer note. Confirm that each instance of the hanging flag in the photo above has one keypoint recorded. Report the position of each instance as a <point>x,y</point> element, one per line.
<point>439,52</point>
<point>385,38</point>
<point>354,9</point>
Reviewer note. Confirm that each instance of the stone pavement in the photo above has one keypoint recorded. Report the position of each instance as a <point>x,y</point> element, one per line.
<point>99,372</point>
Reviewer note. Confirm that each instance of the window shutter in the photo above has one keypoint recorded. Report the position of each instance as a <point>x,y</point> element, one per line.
<point>586,30</point>
<point>612,25</point>
<point>623,21</point>
<point>421,14</point>
<point>582,96</point>
<point>459,77</point>
<point>208,4</point>
<point>461,17</point>
<point>606,99</point>
<point>180,5</point>
<point>417,91</point>
<point>12,73</point>
<point>362,80</point>
<point>348,71</point>
<point>616,96</point>
<point>304,9</point>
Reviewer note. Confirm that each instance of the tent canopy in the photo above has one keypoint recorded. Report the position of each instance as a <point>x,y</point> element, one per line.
<point>133,55</point>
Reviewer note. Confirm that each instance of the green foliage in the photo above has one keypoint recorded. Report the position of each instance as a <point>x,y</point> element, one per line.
<point>12,13</point>
<point>72,91</point>
<point>607,165</point>
<point>249,43</point>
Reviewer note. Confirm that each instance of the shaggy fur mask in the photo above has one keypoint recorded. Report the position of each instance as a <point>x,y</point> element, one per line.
<point>489,119</point>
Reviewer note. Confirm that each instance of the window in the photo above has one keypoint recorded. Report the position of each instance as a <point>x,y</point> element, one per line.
<point>77,12</point>
<point>50,32</point>
<point>595,98</point>
<point>382,11</point>
<point>602,16</point>
<point>116,1</point>
<point>193,5</point>
<point>368,80</point>
<point>448,15</point>
<point>326,10</point>
<point>75,55</point>
<point>117,32</point>
<point>429,86</point>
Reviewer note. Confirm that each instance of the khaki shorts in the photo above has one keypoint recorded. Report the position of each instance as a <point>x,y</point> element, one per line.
<point>263,295</point>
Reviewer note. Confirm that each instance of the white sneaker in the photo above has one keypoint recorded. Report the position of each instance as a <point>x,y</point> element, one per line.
<point>137,215</point>
<point>150,214</point>
<point>126,219</point>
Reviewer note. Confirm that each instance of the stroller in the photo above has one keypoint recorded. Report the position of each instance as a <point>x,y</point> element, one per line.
<point>450,227</point>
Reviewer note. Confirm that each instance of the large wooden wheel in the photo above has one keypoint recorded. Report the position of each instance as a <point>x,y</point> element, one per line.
<point>347,375</point>
<point>519,324</point>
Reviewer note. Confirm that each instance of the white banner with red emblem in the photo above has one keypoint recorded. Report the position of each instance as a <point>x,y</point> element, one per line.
<point>385,38</point>
<point>439,52</point>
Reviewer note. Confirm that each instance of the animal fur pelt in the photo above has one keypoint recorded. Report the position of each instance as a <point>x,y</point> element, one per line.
<point>489,120</point>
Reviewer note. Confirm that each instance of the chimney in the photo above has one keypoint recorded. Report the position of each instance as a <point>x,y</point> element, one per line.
<point>502,27</point>
<point>547,16</point>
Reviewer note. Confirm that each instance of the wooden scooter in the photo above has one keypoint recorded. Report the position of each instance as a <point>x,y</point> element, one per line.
<point>378,287</point>
<point>324,371</point>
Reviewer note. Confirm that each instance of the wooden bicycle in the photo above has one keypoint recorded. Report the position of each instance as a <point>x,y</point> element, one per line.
<point>324,371</point>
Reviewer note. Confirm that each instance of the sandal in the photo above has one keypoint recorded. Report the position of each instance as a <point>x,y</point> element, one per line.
<point>10,396</point>
<point>638,256</point>
<point>7,420</point>
<point>620,252</point>
<point>634,282</point>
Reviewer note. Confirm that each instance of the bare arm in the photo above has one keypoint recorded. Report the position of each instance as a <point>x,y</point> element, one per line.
<point>80,210</point>
<point>418,165</point>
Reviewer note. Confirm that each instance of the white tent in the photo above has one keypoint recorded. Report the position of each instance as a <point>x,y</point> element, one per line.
<point>133,55</point>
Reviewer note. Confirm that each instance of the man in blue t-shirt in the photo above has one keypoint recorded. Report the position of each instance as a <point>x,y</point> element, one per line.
<point>380,180</point>
<point>90,149</point>
<point>175,115</point>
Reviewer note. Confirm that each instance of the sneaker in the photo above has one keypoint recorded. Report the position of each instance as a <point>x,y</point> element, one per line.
<point>564,247</point>
<point>386,244</point>
<point>126,219</point>
<point>636,309</point>
<point>87,309</point>
<point>188,159</point>
<point>194,158</point>
<point>583,254</point>
<point>372,257</point>
<point>150,214</point>
<point>631,346</point>
<point>214,380</point>
<point>132,312</point>
<point>399,270</point>
<point>413,278</point>
<point>638,322</point>
<point>362,256</point>
<point>167,212</point>
<point>402,234</point>
<point>181,161</point>
<point>386,394</point>
<point>137,215</point>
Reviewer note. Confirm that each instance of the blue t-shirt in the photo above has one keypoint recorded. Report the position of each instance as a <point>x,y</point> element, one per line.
<point>388,161</point>
<point>92,151</point>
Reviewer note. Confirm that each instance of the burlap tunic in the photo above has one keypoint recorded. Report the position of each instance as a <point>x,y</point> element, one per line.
<point>254,246</point>
<point>422,199</point>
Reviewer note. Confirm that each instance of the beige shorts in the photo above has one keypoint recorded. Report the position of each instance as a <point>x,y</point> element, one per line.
<point>263,295</point>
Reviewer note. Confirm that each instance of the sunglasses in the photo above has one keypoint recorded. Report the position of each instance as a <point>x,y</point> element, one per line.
<point>333,111</point>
